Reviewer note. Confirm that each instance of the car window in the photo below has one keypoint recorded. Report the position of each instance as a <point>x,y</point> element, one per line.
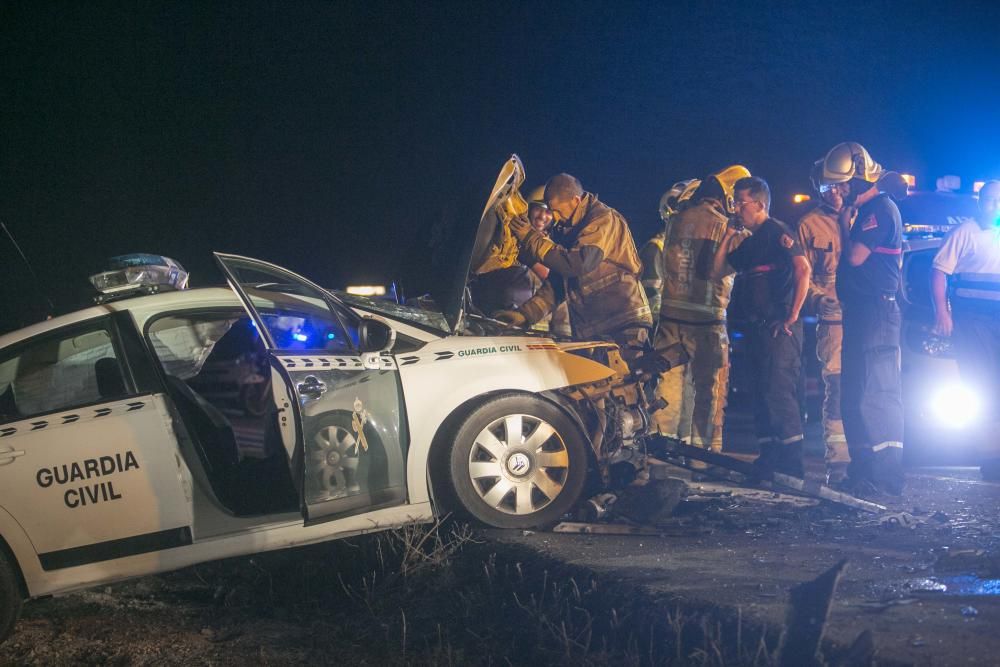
<point>298,316</point>
<point>183,343</point>
<point>59,372</point>
<point>421,317</point>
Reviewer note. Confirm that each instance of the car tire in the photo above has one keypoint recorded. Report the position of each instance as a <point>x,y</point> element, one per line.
<point>10,596</point>
<point>517,461</point>
<point>337,465</point>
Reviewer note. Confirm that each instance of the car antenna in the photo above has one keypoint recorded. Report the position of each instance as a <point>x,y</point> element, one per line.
<point>34,276</point>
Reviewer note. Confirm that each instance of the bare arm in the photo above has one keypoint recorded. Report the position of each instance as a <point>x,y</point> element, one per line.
<point>801,271</point>
<point>943,324</point>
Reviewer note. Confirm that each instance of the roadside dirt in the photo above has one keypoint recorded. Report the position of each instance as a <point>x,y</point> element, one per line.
<point>710,589</point>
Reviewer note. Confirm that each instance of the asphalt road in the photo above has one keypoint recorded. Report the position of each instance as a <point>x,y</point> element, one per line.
<point>924,577</point>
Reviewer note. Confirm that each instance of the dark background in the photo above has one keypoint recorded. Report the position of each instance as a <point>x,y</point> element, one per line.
<point>329,137</point>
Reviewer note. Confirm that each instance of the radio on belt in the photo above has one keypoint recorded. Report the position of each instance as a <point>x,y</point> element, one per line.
<point>137,274</point>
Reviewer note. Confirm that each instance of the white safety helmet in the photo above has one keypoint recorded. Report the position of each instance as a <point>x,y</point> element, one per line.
<point>848,161</point>
<point>678,193</point>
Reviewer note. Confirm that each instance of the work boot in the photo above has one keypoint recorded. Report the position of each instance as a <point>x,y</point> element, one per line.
<point>887,470</point>
<point>790,460</point>
<point>767,462</point>
<point>836,473</point>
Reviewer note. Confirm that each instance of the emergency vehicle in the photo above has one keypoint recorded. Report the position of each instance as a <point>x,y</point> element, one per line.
<point>113,465</point>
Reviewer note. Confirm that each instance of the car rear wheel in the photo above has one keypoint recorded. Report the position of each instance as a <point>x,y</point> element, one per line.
<point>10,596</point>
<point>518,462</point>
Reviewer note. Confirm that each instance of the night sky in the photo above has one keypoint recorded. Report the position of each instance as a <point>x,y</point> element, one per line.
<point>329,137</point>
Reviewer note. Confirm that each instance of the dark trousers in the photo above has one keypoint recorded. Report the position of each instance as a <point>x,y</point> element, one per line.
<point>977,346</point>
<point>871,401</point>
<point>775,362</point>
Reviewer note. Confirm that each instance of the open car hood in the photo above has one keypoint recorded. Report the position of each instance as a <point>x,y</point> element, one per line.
<point>455,255</point>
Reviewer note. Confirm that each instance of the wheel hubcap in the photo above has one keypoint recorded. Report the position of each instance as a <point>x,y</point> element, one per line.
<point>518,464</point>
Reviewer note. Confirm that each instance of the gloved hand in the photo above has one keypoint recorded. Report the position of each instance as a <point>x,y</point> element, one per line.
<point>521,228</point>
<point>511,318</point>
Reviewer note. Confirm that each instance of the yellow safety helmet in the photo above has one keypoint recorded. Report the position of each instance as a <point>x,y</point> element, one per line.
<point>721,185</point>
<point>537,197</point>
<point>848,161</point>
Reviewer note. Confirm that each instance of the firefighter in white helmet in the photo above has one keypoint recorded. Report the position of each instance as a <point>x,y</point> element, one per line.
<point>868,280</point>
<point>693,316</point>
<point>819,236</point>
<point>971,257</point>
<point>651,253</point>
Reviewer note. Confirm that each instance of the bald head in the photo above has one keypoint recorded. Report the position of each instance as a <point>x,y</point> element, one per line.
<point>563,194</point>
<point>563,186</point>
<point>989,203</point>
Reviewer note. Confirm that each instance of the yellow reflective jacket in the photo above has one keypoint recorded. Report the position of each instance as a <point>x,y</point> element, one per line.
<point>603,298</point>
<point>689,293</point>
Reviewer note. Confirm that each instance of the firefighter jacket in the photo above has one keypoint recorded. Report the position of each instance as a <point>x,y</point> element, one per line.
<point>595,255</point>
<point>689,294</point>
<point>651,256</point>
<point>819,235</point>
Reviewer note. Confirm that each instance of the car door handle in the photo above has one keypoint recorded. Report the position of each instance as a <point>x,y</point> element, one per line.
<point>8,454</point>
<point>311,387</point>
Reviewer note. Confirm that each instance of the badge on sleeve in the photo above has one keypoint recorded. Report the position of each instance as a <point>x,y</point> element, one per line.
<point>869,223</point>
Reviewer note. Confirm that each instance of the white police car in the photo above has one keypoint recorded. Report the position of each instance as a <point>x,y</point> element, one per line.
<point>112,465</point>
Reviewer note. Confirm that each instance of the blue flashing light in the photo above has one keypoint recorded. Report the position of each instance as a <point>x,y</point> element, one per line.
<point>331,336</point>
<point>301,337</point>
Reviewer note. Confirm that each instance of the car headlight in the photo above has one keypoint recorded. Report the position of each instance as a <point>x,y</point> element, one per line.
<point>955,405</point>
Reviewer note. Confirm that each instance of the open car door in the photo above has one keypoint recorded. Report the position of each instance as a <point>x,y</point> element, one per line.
<point>339,404</point>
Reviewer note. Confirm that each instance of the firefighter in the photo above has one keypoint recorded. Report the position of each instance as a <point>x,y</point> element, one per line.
<point>693,316</point>
<point>868,280</point>
<point>819,236</point>
<point>971,256</point>
<point>776,274</point>
<point>540,217</point>
<point>651,253</point>
<point>593,252</point>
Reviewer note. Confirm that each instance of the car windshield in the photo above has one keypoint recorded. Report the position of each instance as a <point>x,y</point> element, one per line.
<point>431,319</point>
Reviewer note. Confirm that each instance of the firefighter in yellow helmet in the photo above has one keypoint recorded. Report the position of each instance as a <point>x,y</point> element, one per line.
<point>593,252</point>
<point>868,280</point>
<point>693,315</point>
<point>819,236</point>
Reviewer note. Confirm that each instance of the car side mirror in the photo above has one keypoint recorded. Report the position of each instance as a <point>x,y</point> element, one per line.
<point>375,336</point>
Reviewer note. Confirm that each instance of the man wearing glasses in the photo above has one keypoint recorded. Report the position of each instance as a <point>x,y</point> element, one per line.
<point>819,236</point>
<point>776,280</point>
<point>868,279</point>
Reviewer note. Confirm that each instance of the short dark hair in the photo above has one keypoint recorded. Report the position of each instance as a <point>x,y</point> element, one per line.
<point>563,186</point>
<point>757,188</point>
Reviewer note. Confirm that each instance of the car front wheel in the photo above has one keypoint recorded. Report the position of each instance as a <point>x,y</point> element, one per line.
<point>10,596</point>
<point>518,462</point>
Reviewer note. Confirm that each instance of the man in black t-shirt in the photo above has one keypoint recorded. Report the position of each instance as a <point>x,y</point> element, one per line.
<point>774,277</point>
<point>868,278</point>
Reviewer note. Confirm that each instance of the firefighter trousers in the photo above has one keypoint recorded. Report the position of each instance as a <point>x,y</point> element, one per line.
<point>871,402</point>
<point>829,339</point>
<point>695,392</point>
<point>775,362</point>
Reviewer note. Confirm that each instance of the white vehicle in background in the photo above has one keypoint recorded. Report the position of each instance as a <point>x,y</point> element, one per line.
<point>113,466</point>
<point>942,416</point>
